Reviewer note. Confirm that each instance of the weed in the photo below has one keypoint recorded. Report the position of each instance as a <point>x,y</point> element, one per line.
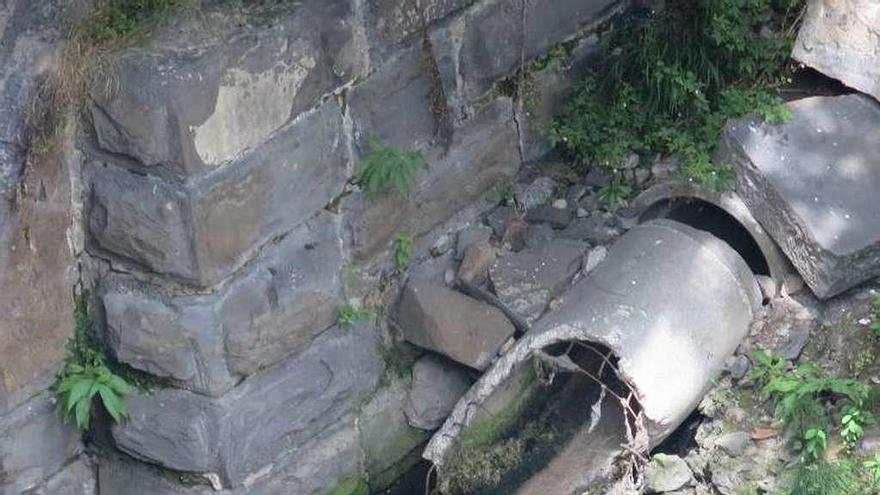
<point>826,478</point>
<point>872,465</point>
<point>387,167</point>
<point>852,424</point>
<point>615,193</point>
<point>502,194</point>
<point>815,444</point>
<point>86,375</point>
<point>875,316</point>
<point>673,76</point>
<point>349,315</point>
<point>403,246</point>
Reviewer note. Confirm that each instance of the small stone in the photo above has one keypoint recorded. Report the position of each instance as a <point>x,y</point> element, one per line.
<point>514,234</point>
<point>734,444</point>
<point>576,192</point>
<point>477,259</point>
<point>537,193</point>
<point>792,283</point>
<point>597,228</point>
<point>590,202</point>
<point>864,322</point>
<point>737,366</point>
<point>663,169</point>
<point>538,234</point>
<point>471,235</point>
<point>630,162</point>
<point>581,212</point>
<point>558,218</point>
<point>560,204</point>
<point>595,256</point>
<point>597,178</point>
<point>441,246</point>
<point>667,473</point>
<point>642,176</point>
<point>497,219</point>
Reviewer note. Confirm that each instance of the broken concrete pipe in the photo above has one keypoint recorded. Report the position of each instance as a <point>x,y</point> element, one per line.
<point>665,309</point>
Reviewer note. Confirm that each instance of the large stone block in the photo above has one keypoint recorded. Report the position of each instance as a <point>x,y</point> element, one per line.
<point>445,321</point>
<point>273,308</point>
<point>840,39</point>
<point>394,104</point>
<point>34,445</point>
<point>77,478</point>
<point>811,183</point>
<point>489,41</point>
<point>202,230</point>
<point>280,410</point>
<point>197,102</point>
<point>482,153</point>
<point>396,20</point>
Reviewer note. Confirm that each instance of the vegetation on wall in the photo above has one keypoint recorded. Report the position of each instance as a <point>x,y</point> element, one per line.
<point>670,78</point>
<point>387,167</point>
<point>86,375</point>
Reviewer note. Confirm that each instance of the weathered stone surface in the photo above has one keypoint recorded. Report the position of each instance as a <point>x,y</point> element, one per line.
<point>471,235</point>
<point>445,321</point>
<point>394,103</point>
<point>597,228</point>
<point>36,264</point>
<point>77,478</point>
<point>34,444</point>
<point>437,386</point>
<point>667,473</point>
<point>558,218</point>
<point>204,230</point>
<point>284,298</point>
<point>474,268</point>
<point>388,440</point>
<point>810,183</point>
<point>489,41</point>
<point>396,20</point>
<point>841,40</point>
<point>280,410</point>
<point>482,153</point>
<point>119,473</point>
<point>526,281</point>
<point>224,91</point>
<point>537,192</point>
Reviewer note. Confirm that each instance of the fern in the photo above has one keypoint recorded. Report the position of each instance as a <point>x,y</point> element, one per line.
<point>386,167</point>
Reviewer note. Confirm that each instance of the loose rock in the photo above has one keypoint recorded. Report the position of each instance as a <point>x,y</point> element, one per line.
<point>437,386</point>
<point>667,473</point>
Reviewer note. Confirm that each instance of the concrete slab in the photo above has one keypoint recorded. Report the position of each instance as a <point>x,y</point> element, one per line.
<point>812,184</point>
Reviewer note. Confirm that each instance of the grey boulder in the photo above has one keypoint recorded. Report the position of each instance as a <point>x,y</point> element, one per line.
<point>437,386</point>
<point>445,321</point>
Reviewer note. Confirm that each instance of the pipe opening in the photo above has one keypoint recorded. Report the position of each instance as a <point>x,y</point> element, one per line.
<point>713,219</point>
<point>558,425</point>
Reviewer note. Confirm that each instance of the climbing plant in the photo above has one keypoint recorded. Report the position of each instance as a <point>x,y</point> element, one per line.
<point>669,79</point>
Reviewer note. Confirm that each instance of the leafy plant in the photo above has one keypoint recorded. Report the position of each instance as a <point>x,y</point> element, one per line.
<point>815,444</point>
<point>875,316</point>
<point>852,424</point>
<point>79,385</point>
<point>872,465</point>
<point>403,252</point>
<point>502,193</point>
<point>826,478</point>
<point>672,77</point>
<point>387,167</point>
<point>615,193</point>
<point>349,315</point>
<point>86,375</point>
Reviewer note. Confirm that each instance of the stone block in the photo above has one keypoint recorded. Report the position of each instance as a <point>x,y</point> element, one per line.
<point>810,184</point>
<point>489,41</point>
<point>437,386</point>
<point>388,439</point>
<point>34,444</point>
<point>394,104</point>
<point>242,434</point>
<point>395,20</point>
<point>839,39</point>
<point>202,231</point>
<point>77,478</point>
<point>482,153</point>
<point>526,281</point>
<point>285,297</point>
<point>448,322</point>
<point>193,104</point>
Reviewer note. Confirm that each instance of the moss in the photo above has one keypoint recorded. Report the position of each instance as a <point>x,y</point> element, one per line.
<point>355,485</point>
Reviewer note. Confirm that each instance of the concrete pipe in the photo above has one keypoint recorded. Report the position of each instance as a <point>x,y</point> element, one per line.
<point>664,311</point>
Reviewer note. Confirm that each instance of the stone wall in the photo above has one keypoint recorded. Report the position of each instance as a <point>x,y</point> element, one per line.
<point>223,231</point>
